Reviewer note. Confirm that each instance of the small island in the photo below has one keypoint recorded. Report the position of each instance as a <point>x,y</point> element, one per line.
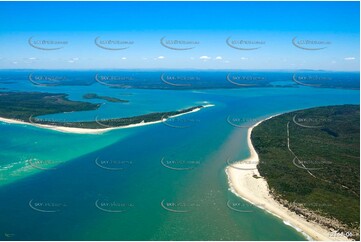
<point>106,98</point>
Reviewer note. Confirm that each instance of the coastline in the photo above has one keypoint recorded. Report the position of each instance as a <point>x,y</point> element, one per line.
<point>256,191</point>
<point>73,130</point>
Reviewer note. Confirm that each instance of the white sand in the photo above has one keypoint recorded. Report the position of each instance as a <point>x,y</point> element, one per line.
<point>256,191</point>
<point>91,131</point>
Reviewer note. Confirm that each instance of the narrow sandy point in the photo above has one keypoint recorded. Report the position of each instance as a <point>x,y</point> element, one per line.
<point>92,131</point>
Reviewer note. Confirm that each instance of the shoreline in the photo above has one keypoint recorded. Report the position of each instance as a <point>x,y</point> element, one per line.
<point>74,130</point>
<point>256,191</point>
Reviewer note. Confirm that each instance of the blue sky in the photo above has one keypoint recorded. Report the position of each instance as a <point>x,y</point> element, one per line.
<point>266,35</point>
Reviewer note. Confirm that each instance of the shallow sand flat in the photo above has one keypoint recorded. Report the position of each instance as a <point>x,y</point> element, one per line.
<point>256,191</point>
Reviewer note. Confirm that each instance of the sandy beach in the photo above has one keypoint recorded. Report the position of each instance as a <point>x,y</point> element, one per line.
<point>72,129</point>
<point>256,191</point>
<point>92,131</point>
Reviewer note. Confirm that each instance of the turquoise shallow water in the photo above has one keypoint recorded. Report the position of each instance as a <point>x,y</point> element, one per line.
<point>149,183</point>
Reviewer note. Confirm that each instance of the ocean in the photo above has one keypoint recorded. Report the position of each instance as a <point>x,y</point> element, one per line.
<point>164,181</point>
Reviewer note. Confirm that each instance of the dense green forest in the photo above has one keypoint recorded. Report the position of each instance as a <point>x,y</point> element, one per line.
<point>22,105</point>
<point>311,161</point>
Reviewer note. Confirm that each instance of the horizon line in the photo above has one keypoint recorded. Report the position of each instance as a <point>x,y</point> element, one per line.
<point>171,69</point>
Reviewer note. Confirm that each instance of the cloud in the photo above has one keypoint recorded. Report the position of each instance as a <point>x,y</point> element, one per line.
<point>244,58</point>
<point>349,58</point>
<point>204,57</point>
<point>73,60</point>
<point>32,58</point>
<point>219,58</point>
<point>124,58</point>
<point>160,57</point>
